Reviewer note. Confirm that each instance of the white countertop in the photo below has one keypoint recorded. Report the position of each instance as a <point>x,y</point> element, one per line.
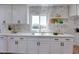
<point>30,34</point>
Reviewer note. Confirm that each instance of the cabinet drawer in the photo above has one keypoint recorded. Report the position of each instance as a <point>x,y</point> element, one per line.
<point>12,38</point>
<point>32,38</point>
<point>22,38</point>
<point>2,37</point>
<point>46,39</point>
<point>55,39</point>
<point>67,39</point>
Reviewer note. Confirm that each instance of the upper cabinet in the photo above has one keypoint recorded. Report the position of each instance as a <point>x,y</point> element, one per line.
<point>5,13</point>
<point>58,10</point>
<point>77,9</point>
<point>72,10</point>
<point>34,10</point>
<point>19,14</point>
<point>38,10</point>
<point>13,14</point>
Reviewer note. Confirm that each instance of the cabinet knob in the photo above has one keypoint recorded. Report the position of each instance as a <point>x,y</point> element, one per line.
<point>4,21</point>
<point>18,21</point>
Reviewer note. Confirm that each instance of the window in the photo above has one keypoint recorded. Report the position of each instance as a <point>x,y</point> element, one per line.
<point>39,23</point>
<point>35,24</point>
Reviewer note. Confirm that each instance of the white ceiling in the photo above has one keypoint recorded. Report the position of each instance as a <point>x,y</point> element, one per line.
<point>49,4</point>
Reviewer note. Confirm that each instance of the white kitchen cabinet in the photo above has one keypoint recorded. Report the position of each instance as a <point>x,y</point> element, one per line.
<point>44,45</point>
<point>58,10</point>
<point>55,46</point>
<point>17,45</point>
<point>62,46</point>
<point>5,14</point>
<point>22,45</point>
<point>19,14</point>
<point>13,44</point>
<point>33,45</point>
<point>77,9</point>
<point>72,10</point>
<point>39,45</point>
<point>3,44</point>
<point>67,46</point>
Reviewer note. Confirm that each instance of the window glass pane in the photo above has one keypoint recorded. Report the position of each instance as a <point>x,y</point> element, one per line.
<point>35,20</point>
<point>43,20</point>
<point>43,23</point>
<point>35,24</point>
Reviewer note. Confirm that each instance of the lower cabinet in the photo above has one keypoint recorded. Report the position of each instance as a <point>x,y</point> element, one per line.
<point>32,45</point>
<point>40,45</point>
<point>44,45</point>
<point>22,45</point>
<point>17,45</point>
<point>3,44</point>
<point>67,46</point>
<point>62,46</point>
<point>55,46</point>
<point>12,44</point>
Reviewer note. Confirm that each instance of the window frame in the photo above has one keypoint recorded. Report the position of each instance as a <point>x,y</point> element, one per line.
<point>39,20</point>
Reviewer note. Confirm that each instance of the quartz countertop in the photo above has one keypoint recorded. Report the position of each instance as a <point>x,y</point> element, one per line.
<point>30,34</point>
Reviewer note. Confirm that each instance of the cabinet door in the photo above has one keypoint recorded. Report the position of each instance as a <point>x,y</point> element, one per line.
<point>44,45</point>
<point>5,13</point>
<point>60,10</point>
<point>19,14</point>
<point>22,45</point>
<point>67,46</point>
<point>55,46</point>
<point>3,44</point>
<point>77,9</point>
<point>72,10</point>
<point>32,45</point>
<point>13,44</point>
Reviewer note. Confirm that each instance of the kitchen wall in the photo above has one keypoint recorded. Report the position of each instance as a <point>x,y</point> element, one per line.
<point>6,15</point>
<point>10,14</point>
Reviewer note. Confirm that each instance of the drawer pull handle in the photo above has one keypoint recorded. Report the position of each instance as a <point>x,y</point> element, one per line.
<point>1,37</point>
<point>67,39</point>
<point>56,39</point>
<point>11,38</point>
<point>21,38</point>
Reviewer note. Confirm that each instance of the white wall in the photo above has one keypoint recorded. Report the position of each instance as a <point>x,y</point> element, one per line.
<point>50,11</point>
